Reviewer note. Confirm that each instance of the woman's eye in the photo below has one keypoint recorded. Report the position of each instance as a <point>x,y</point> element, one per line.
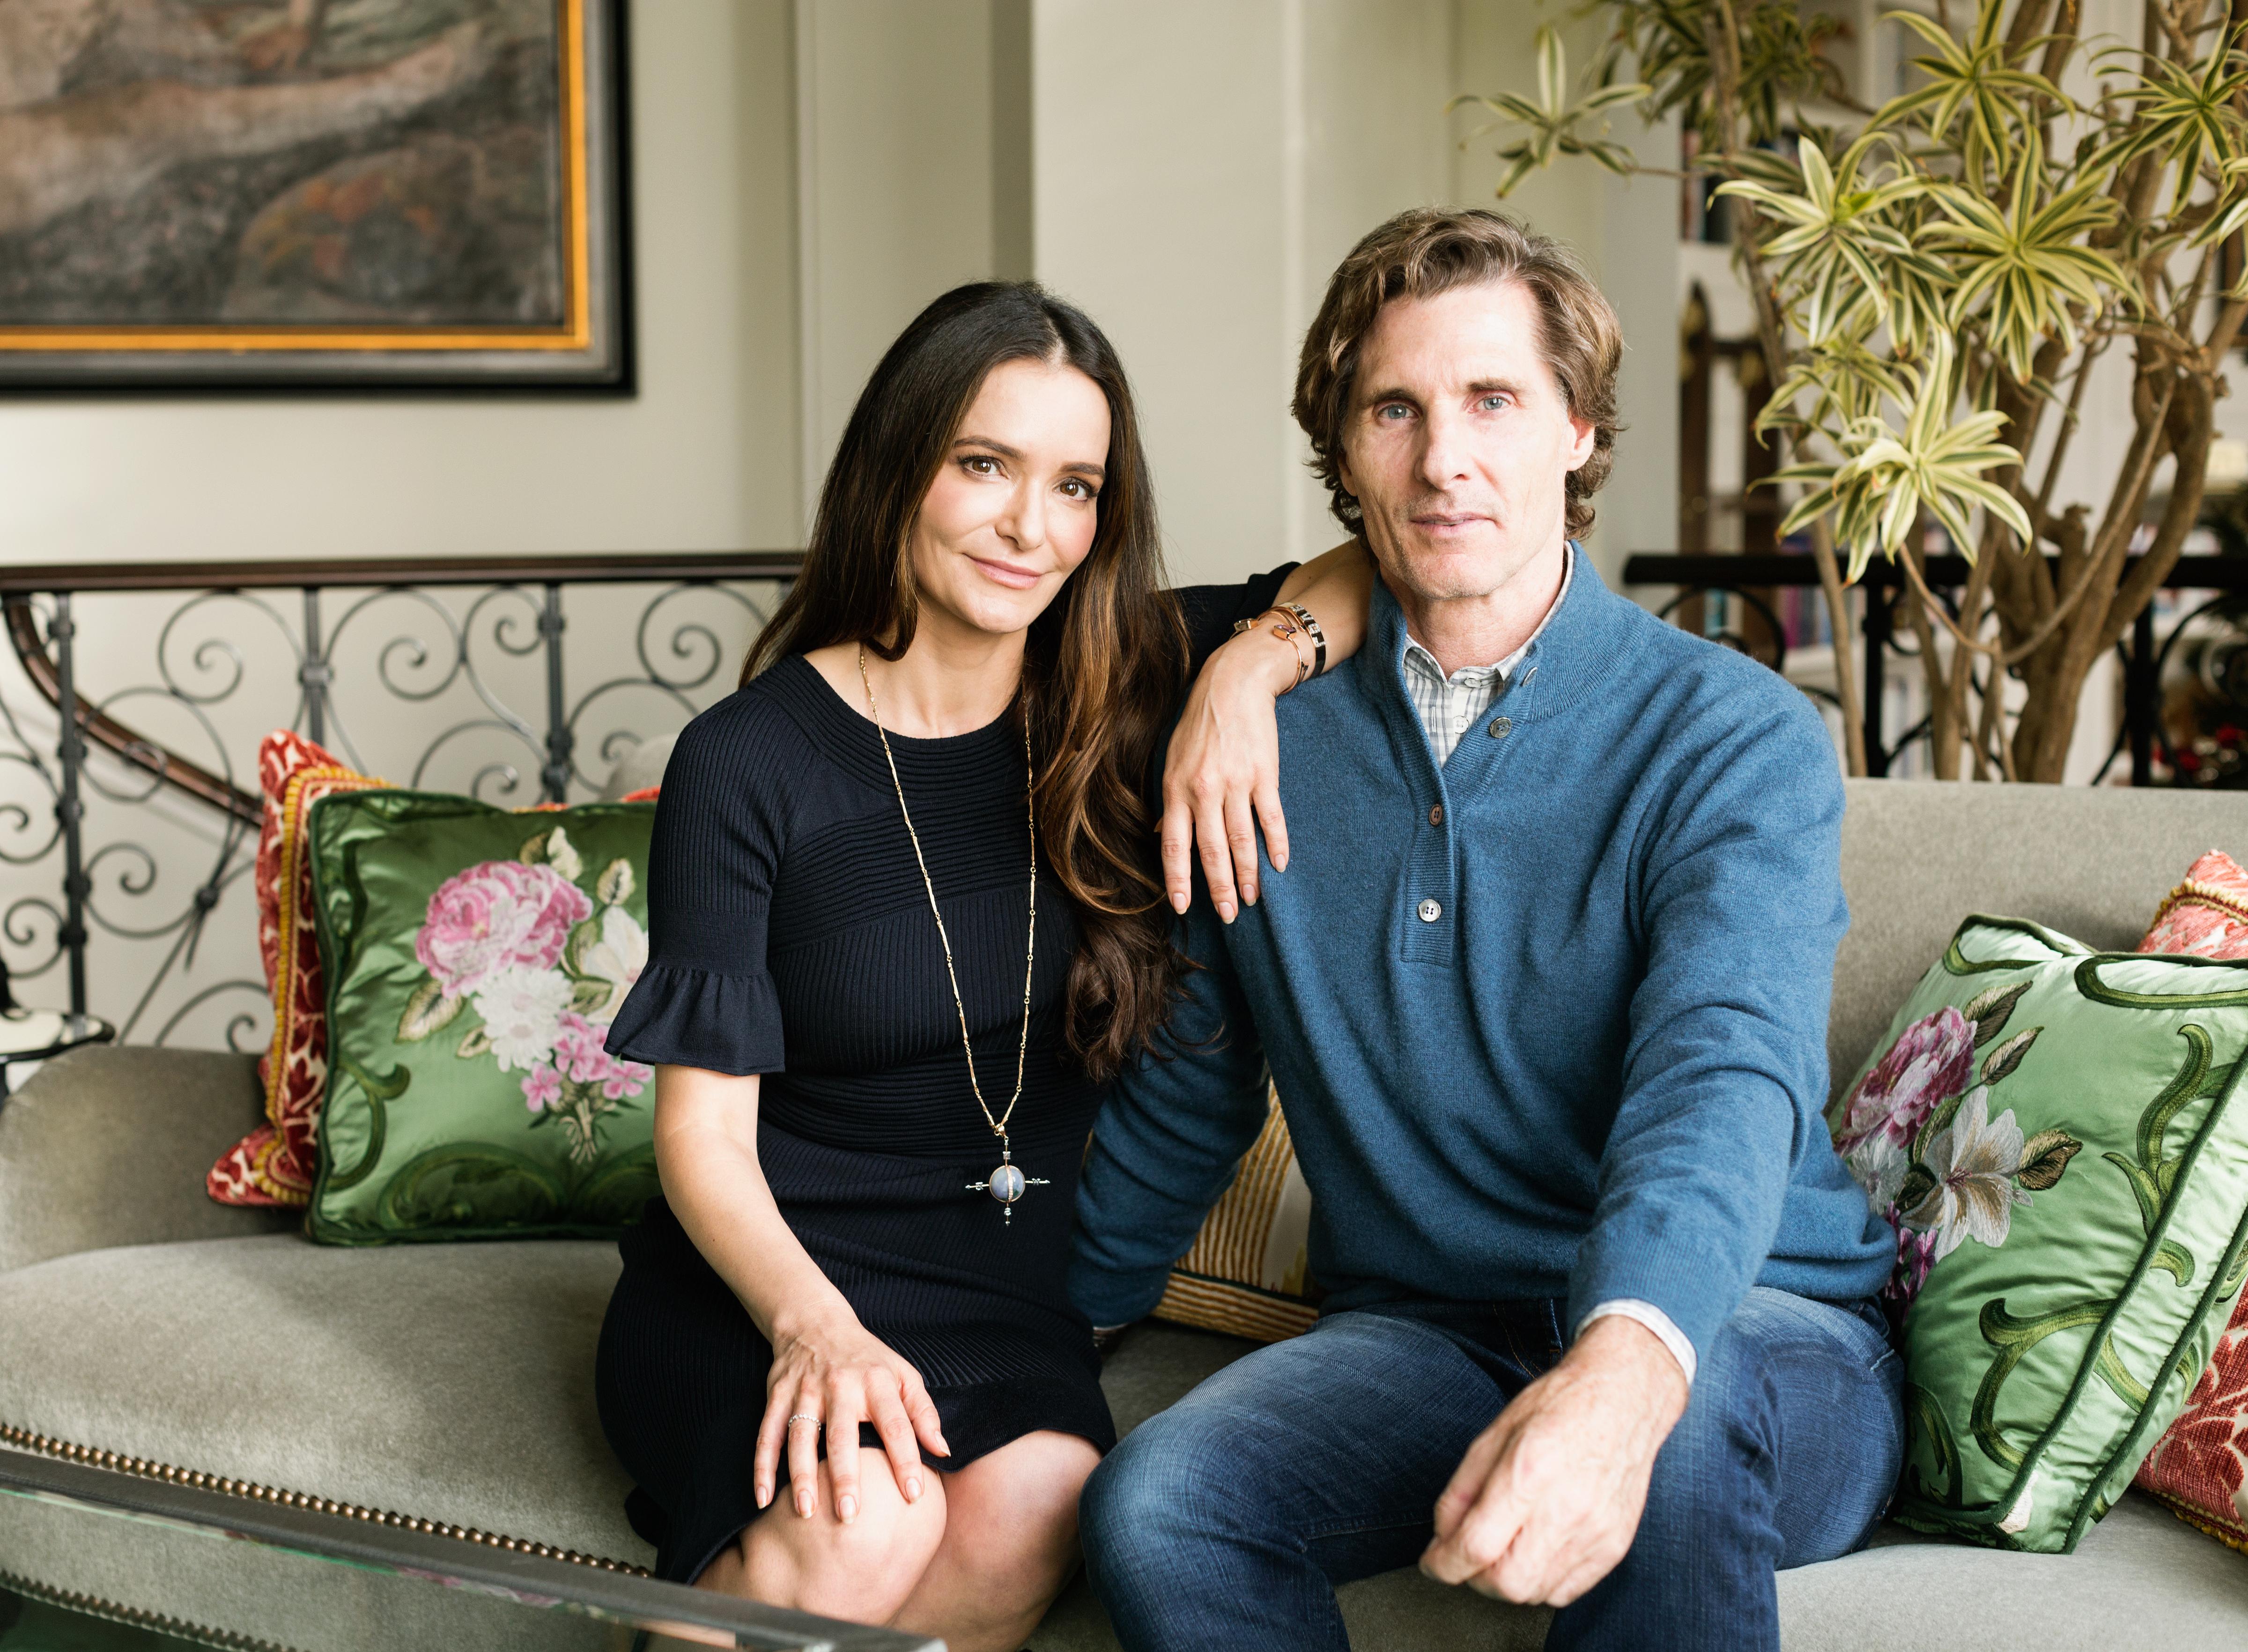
<point>981,464</point>
<point>1079,490</point>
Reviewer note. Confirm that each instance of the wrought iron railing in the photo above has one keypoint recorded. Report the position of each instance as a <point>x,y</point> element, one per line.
<point>2185,691</point>
<point>450,673</point>
<point>136,694</point>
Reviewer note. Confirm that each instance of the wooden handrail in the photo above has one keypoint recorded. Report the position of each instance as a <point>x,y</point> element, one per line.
<point>105,730</point>
<point>335,572</point>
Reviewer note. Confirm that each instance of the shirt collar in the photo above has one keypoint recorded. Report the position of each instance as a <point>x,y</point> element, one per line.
<point>1416,656</point>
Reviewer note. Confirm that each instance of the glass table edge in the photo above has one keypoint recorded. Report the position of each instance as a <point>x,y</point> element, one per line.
<point>530,1580</point>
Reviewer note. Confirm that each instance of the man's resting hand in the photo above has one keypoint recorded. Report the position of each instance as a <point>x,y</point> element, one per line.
<point>1548,1497</point>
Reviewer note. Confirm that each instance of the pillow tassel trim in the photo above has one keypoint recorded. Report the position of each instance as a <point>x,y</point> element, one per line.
<point>2199,1521</point>
<point>2199,894</point>
<point>272,1166</point>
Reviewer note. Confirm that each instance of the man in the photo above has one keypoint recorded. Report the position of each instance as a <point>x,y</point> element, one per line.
<point>1544,991</point>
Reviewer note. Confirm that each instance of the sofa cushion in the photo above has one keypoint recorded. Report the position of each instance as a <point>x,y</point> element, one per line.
<point>450,1382</point>
<point>1918,856</point>
<point>1247,1273</point>
<point>2207,914</point>
<point>2200,1465</point>
<point>105,1145</point>
<point>459,1390</point>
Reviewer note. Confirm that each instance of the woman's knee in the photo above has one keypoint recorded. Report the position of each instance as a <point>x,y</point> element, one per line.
<point>1015,1513</point>
<point>861,1571</point>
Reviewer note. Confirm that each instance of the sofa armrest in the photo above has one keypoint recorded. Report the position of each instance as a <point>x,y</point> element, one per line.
<point>108,1145</point>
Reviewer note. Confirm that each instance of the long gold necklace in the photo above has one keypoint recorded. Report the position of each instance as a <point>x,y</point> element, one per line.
<point>1007,1183</point>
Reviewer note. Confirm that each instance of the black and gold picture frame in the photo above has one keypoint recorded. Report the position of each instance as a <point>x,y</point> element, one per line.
<point>313,195</point>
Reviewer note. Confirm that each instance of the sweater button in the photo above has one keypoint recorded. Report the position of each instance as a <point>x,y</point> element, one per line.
<point>1429,911</point>
<point>1436,815</point>
<point>1501,727</point>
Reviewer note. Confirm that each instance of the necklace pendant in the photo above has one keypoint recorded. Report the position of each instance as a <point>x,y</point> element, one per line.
<point>1007,1183</point>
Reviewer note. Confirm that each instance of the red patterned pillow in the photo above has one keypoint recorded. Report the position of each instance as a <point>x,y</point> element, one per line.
<point>2200,1466</point>
<point>273,1165</point>
<point>2207,915</point>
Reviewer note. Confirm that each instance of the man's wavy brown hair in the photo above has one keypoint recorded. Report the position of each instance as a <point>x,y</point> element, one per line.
<point>1431,249</point>
<point>1103,666</point>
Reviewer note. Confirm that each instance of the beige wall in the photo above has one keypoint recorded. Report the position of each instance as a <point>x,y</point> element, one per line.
<point>705,456</point>
<point>1195,201</point>
<point>895,170</point>
<point>809,173</point>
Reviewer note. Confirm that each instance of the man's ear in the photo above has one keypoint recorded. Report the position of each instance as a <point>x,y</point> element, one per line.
<point>1584,439</point>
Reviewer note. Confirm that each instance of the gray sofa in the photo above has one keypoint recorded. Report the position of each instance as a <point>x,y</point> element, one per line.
<point>454,1382</point>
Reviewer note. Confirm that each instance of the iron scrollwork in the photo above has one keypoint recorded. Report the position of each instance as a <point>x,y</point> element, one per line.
<point>2185,719</point>
<point>128,803</point>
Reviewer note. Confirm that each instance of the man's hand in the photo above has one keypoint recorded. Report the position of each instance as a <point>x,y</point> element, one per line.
<point>1548,1497</point>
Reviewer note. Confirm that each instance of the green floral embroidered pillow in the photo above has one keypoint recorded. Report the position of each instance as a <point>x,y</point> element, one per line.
<point>475,958</point>
<point>2054,1136</point>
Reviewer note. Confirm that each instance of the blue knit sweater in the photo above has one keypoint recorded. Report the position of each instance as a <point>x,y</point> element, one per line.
<point>1547,1020</point>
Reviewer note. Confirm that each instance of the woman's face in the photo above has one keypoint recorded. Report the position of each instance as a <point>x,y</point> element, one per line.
<point>1012,512</point>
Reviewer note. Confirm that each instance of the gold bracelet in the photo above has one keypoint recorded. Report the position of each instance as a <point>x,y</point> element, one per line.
<point>1287,628</point>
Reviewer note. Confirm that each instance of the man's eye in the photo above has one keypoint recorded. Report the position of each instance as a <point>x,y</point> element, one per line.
<point>1393,412</point>
<point>1493,403</point>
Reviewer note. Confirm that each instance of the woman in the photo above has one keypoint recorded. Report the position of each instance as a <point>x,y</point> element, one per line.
<point>905,918</point>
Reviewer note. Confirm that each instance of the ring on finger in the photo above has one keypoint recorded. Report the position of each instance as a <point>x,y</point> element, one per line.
<point>805,1417</point>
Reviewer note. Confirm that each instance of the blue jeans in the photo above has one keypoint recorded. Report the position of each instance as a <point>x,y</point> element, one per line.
<point>1227,1520</point>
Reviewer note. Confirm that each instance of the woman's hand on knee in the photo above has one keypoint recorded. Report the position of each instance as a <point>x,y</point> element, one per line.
<point>835,1376</point>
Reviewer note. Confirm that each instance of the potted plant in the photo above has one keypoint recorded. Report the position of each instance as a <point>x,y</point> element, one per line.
<point>1934,281</point>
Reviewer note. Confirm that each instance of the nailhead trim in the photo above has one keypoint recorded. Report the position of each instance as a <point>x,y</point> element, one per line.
<point>138,1617</point>
<point>24,1439</point>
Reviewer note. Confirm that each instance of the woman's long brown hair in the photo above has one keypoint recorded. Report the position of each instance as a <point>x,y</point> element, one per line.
<point>1103,665</point>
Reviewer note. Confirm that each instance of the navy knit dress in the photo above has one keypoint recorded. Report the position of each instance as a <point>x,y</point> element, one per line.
<point>791,935</point>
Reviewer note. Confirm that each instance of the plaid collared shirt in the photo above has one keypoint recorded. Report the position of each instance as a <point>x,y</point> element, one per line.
<point>1449,706</point>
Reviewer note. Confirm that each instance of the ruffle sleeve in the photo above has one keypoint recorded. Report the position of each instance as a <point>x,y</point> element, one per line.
<point>692,1017</point>
<point>706,997</point>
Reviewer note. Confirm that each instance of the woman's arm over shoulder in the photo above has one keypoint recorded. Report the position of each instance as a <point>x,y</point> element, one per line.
<point>1212,610</point>
<point>1222,775</point>
<point>1336,585</point>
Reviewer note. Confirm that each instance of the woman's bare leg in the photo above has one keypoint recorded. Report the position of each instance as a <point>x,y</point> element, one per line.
<point>861,1573</point>
<point>1009,1544</point>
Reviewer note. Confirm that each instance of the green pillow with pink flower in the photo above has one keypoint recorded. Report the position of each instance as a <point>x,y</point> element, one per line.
<point>2052,1136</point>
<point>475,958</point>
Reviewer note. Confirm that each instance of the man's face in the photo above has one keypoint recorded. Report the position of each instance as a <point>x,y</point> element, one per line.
<point>1459,442</point>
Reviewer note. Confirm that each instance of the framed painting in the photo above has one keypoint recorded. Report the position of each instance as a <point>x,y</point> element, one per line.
<point>313,195</point>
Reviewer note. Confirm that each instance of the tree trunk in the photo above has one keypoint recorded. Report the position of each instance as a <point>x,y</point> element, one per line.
<point>2068,657</point>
